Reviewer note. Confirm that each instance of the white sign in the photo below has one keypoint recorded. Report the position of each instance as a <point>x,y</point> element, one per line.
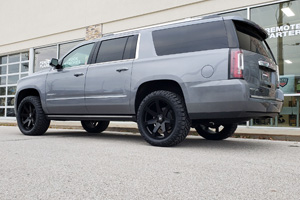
<point>45,63</point>
<point>283,31</point>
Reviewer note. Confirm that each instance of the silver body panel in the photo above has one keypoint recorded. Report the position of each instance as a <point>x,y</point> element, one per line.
<point>108,89</point>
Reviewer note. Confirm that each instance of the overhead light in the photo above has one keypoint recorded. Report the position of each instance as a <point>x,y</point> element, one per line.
<point>288,61</point>
<point>288,12</point>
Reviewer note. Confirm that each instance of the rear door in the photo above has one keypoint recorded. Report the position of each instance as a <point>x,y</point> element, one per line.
<point>107,87</point>
<point>260,68</point>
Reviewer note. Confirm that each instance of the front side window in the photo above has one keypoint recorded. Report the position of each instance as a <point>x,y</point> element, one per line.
<point>78,57</point>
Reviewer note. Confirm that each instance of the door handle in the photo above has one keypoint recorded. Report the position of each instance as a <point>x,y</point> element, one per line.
<point>122,69</point>
<point>78,74</point>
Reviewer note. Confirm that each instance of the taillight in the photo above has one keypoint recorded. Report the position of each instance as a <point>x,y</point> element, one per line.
<point>236,64</point>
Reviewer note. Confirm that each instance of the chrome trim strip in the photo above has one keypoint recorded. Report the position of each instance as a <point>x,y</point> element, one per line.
<point>106,96</point>
<point>266,98</point>
<point>70,98</point>
<point>137,50</point>
<point>92,116</point>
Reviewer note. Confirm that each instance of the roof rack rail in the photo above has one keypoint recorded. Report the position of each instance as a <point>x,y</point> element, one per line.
<point>211,16</point>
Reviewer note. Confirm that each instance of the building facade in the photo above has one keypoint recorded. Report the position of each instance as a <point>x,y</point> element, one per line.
<point>36,31</point>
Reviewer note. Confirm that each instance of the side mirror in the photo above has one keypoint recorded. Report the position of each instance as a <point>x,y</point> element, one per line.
<point>54,63</point>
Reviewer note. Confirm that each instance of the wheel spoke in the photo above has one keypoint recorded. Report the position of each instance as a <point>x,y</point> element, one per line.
<point>217,129</point>
<point>151,121</point>
<point>25,121</point>
<point>151,112</point>
<point>29,123</point>
<point>163,127</point>
<point>158,108</point>
<point>166,110</point>
<point>157,126</point>
<point>26,109</point>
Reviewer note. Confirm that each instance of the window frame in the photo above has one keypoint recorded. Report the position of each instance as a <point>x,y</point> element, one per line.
<point>98,46</point>
<point>77,47</point>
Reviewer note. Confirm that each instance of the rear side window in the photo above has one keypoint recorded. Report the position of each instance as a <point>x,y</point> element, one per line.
<point>190,38</point>
<point>117,49</point>
<point>250,40</point>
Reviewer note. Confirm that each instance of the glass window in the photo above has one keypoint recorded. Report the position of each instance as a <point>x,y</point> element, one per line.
<point>284,33</point>
<point>2,101</point>
<point>111,50</point>
<point>2,91</point>
<point>240,13</point>
<point>190,38</point>
<point>2,70</point>
<point>24,75</point>
<point>3,60</point>
<point>249,40</point>
<point>78,57</point>
<point>10,101</point>
<point>25,56</point>
<point>11,90</point>
<point>14,58</point>
<point>43,56</point>
<point>130,48</point>
<point>65,48</point>
<point>2,80</point>
<point>13,68</point>
<point>10,112</point>
<point>1,112</point>
<point>12,79</point>
<point>24,67</point>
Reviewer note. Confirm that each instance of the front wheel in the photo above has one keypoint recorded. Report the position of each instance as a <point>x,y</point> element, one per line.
<point>216,132</point>
<point>162,119</point>
<point>95,126</point>
<point>31,117</point>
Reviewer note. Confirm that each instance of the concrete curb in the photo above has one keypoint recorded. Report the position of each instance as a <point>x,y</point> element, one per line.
<point>252,133</point>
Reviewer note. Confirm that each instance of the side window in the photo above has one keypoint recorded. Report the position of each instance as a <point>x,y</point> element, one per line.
<point>111,50</point>
<point>78,57</point>
<point>190,38</point>
<point>117,49</point>
<point>130,48</point>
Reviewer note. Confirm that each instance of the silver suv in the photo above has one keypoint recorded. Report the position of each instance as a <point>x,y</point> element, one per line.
<point>209,73</point>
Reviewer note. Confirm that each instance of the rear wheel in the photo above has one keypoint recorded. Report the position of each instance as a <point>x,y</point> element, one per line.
<point>216,132</point>
<point>162,119</point>
<point>31,117</point>
<point>95,126</point>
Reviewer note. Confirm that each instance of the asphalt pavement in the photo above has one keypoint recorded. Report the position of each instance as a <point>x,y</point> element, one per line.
<point>72,164</point>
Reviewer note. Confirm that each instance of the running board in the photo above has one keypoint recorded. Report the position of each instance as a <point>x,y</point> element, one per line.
<point>93,117</point>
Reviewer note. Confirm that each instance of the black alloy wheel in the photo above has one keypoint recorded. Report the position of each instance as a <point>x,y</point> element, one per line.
<point>162,119</point>
<point>216,132</point>
<point>28,116</point>
<point>31,118</point>
<point>94,126</point>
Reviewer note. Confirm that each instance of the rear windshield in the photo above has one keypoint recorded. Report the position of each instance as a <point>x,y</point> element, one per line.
<point>190,38</point>
<point>250,40</point>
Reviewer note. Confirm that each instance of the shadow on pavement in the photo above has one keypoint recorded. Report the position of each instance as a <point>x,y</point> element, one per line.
<point>189,142</point>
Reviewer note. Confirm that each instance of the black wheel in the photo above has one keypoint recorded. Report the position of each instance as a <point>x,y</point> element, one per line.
<point>162,119</point>
<point>216,132</point>
<point>31,117</point>
<point>95,126</point>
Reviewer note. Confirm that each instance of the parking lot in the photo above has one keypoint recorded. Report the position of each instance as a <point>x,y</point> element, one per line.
<point>71,164</point>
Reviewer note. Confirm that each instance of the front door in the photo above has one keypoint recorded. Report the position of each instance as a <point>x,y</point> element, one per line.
<point>65,87</point>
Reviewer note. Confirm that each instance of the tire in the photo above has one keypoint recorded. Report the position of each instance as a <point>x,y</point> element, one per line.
<point>95,126</point>
<point>162,119</point>
<point>31,117</point>
<point>214,133</point>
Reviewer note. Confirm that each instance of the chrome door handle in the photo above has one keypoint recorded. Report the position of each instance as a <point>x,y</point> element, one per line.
<point>78,74</point>
<point>122,69</point>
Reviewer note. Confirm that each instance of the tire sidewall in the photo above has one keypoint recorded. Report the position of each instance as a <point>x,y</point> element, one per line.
<point>39,119</point>
<point>141,112</point>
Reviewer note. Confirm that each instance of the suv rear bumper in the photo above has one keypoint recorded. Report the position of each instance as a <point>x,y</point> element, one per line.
<point>229,99</point>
